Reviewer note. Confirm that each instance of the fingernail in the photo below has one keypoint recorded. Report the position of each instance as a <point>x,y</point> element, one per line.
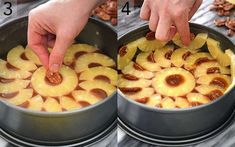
<point>54,67</point>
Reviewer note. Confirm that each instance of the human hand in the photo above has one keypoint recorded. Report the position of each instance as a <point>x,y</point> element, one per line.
<point>55,24</point>
<point>166,17</point>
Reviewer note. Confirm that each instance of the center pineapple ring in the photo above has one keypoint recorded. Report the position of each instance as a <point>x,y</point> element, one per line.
<point>67,85</point>
<point>172,82</point>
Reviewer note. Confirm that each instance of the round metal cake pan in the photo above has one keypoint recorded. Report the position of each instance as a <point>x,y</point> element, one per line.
<point>176,123</point>
<point>63,127</point>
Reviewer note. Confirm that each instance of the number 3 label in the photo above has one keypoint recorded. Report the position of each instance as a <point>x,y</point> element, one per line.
<point>8,6</point>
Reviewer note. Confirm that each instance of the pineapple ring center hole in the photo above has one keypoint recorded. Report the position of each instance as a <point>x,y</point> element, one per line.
<point>174,80</point>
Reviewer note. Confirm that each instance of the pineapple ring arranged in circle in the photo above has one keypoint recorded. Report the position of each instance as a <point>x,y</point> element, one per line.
<point>15,58</point>
<point>175,76</point>
<point>173,82</point>
<point>7,73</point>
<point>24,82</point>
<point>87,61</point>
<point>102,73</point>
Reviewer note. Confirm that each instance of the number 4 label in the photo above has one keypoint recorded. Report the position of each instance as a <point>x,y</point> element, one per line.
<point>126,8</point>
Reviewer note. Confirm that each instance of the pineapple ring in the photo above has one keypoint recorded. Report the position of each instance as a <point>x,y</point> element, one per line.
<point>122,82</point>
<point>68,103</point>
<point>183,87</point>
<point>217,53</point>
<point>32,56</point>
<point>74,49</point>
<point>85,96</point>
<point>207,79</point>
<point>205,89</point>
<point>129,51</point>
<point>232,68</point>
<point>192,59</point>
<point>68,84</point>
<point>168,103</point>
<point>181,102</point>
<point>177,57</point>
<point>130,69</point>
<point>154,100</point>
<point>90,85</point>
<point>197,98</point>
<point>144,61</point>
<point>160,56</point>
<point>84,62</point>
<point>100,73</point>
<point>14,58</point>
<point>197,43</point>
<point>149,45</point>
<point>51,105</point>
<point>23,96</point>
<point>36,103</point>
<point>143,93</point>
<point>13,86</point>
<point>12,74</point>
<point>203,68</point>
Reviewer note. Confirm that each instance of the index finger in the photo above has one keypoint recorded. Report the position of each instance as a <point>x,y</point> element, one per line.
<point>182,26</point>
<point>37,41</point>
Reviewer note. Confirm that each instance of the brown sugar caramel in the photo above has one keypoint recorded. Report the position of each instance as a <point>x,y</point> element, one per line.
<point>143,100</point>
<point>130,77</point>
<point>138,67</point>
<point>219,82</point>
<point>122,51</point>
<point>168,55</point>
<point>201,60</point>
<point>150,58</point>
<point>23,56</point>
<point>78,54</point>
<point>174,80</point>
<point>186,55</point>
<point>103,78</point>
<point>213,70</point>
<point>11,67</point>
<point>2,80</point>
<point>94,65</point>
<point>150,36</point>
<point>214,94</point>
<point>24,104</point>
<point>9,95</point>
<point>99,93</point>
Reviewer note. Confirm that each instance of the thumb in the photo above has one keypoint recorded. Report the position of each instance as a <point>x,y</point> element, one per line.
<point>57,54</point>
